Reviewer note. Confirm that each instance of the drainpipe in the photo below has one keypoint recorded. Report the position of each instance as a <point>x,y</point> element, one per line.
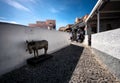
<point>98,21</point>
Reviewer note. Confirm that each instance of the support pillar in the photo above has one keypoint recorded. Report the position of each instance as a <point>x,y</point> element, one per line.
<point>86,28</point>
<point>98,21</point>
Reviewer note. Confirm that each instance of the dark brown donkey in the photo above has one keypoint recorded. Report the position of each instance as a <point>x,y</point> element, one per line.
<point>34,46</point>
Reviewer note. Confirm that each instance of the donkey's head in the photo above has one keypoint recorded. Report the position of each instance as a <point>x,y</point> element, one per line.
<point>29,47</point>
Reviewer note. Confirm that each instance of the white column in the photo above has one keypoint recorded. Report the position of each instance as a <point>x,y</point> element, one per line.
<point>86,28</point>
<point>98,21</point>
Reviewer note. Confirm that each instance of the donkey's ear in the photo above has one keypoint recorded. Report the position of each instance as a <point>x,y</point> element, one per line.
<point>27,41</point>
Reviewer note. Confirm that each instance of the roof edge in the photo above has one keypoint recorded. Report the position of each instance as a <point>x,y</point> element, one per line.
<point>94,9</point>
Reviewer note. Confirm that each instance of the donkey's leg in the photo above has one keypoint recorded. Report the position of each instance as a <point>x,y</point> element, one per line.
<point>45,49</point>
<point>37,52</point>
<point>34,53</point>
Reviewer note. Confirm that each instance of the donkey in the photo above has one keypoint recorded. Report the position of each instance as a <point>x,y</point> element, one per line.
<point>34,46</point>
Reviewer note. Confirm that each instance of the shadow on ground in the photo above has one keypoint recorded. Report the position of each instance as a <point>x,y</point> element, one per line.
<point>57,69</point>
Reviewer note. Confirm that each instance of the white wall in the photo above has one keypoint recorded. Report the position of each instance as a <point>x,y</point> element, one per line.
<point>86,40</point>
<point>107,42</point>
<point>13,47</point>
<point>106,46</point>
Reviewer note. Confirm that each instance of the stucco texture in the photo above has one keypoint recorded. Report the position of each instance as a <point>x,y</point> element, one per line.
<point>13,44</point>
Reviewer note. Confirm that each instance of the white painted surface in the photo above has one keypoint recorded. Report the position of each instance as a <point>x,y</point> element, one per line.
<point>98,21</point>
<point>107,42</point>
<point>13,47</point>
<point>86,40</point>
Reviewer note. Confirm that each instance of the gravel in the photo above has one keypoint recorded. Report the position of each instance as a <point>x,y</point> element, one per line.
<point>72,64</point>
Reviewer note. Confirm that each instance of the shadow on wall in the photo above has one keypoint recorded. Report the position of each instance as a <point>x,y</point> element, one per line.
<point>57,69</point>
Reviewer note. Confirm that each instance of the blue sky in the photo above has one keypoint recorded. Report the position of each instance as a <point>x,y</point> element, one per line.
<point>29,11</point>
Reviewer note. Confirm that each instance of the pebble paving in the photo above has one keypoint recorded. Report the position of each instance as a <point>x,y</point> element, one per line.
<point>72,64</point>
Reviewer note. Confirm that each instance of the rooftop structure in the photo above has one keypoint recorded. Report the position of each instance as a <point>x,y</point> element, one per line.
<point>62,28</point>
<point>105,10</point>
<point>48,24</point>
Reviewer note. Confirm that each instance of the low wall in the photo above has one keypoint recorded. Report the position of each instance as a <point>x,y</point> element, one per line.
<point>107,42</point>
<point>13,47</point>
<point>107,46</point>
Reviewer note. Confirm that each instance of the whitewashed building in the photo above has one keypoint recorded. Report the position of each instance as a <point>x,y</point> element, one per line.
<point>103,33</point>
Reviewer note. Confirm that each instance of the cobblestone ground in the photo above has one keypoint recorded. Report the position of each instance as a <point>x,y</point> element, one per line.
<point>72,64</point>
<point>90,70</point>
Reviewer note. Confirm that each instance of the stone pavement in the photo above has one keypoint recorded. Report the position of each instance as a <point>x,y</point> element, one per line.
<point>91,70</point>
<point>72,64</point>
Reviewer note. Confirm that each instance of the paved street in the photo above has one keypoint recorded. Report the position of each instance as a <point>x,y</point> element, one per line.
<point>72,64</point>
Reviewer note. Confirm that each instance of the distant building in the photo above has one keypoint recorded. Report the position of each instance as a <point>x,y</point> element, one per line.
<point>62,29</point>
<point>79,23</point>
<point>48,24</point>
<point>77,20</point>
<point>68,27</point>
<point>84,17</point>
